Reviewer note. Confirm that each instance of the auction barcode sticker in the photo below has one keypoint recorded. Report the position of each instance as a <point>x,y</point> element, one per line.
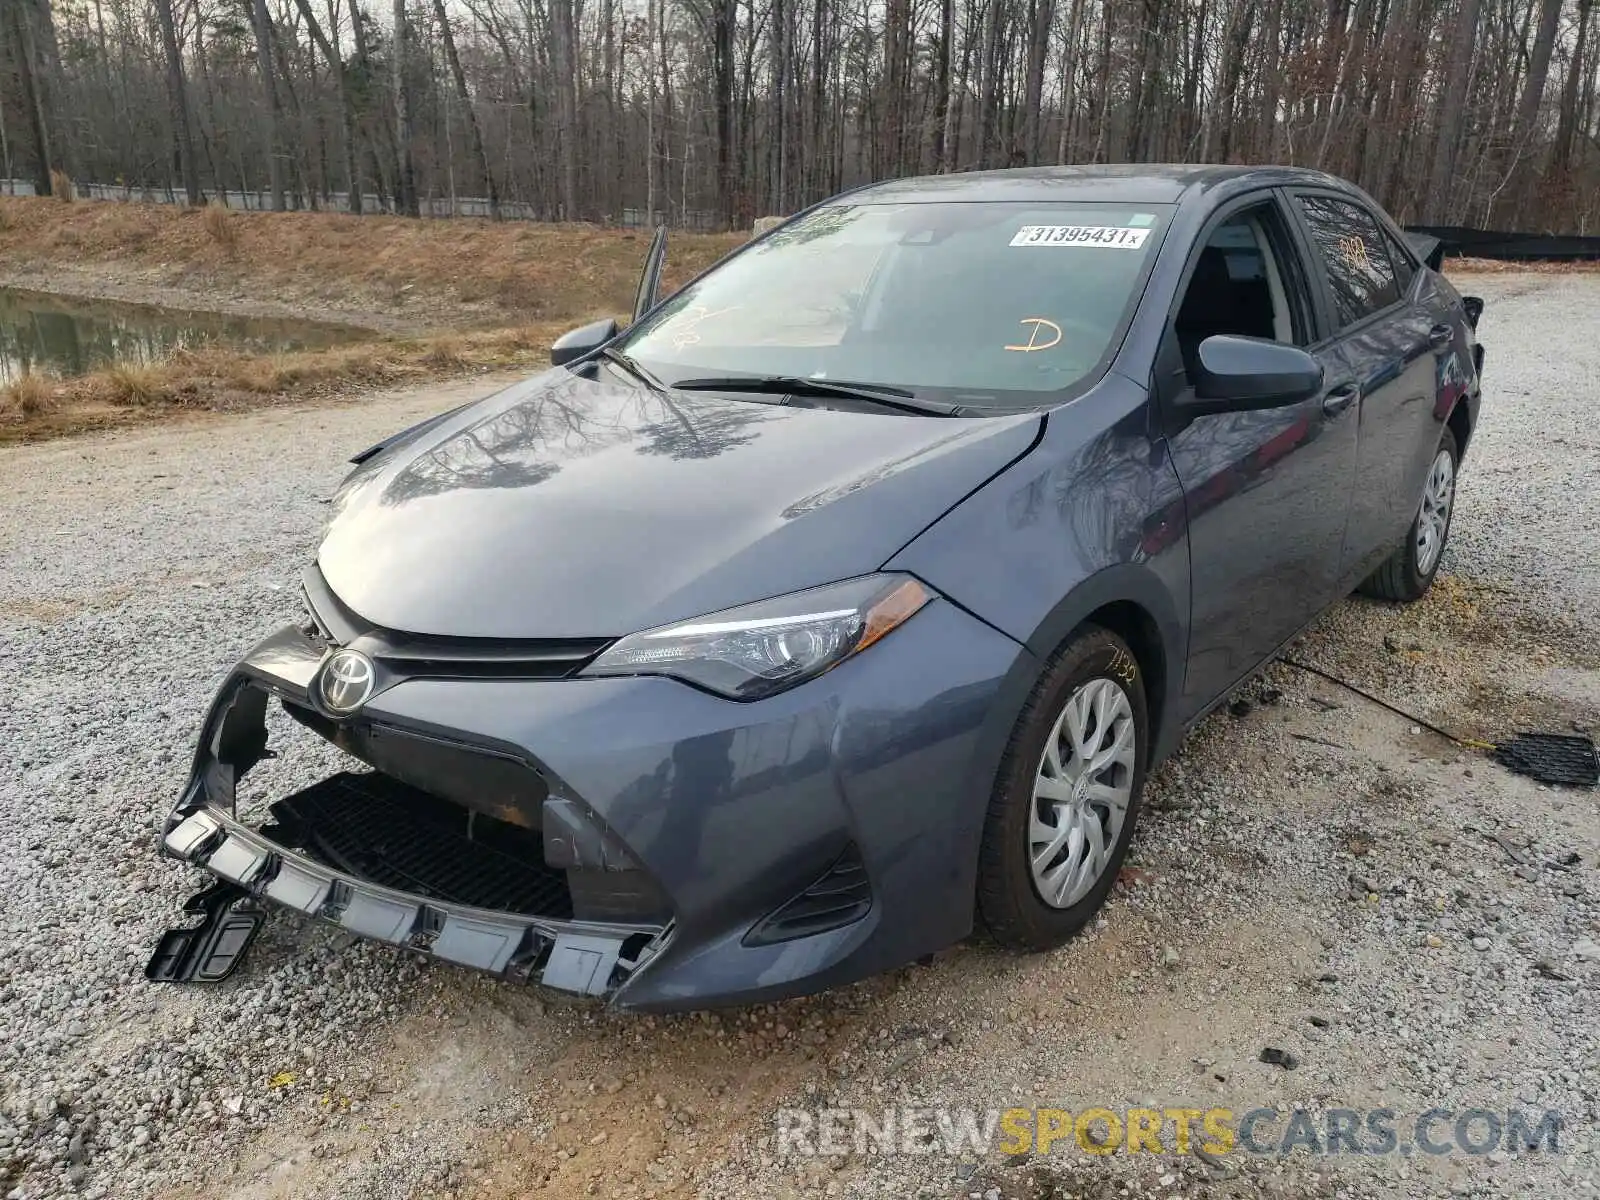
<point>1105,236</point>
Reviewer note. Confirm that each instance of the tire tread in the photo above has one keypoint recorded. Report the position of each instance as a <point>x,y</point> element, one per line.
<point>1396,578</point>
<point>1388,582</point>
<point>999,900</point>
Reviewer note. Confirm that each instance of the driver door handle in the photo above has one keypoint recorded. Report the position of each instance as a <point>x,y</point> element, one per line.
<point>1340,398</point>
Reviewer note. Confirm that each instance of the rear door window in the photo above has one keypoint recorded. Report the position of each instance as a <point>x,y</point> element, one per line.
<point>1404,268</point>
<point>1359,272</point>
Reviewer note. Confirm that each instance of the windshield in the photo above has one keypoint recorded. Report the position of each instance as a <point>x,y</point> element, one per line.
<point>994,305</point>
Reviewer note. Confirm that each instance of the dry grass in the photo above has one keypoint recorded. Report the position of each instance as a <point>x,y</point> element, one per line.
<point>221,380</point>
<point>1494,266</point>
<point>61,187</point>
<point>220,229</point>
<point>131,384</point>
<point>448,273</point>
<point>27,398</point>
<point>444,353</point>
<point>479,296</point>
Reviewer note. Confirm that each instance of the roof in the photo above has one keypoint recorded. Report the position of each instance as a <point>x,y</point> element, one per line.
<point>1132,183</point>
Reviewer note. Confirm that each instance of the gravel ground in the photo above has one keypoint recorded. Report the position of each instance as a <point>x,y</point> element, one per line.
<point>1533,469</point>
<point>1313,874</point>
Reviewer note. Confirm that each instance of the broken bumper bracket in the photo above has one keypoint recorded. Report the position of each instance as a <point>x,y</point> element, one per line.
<point>210,951</point>
<point>588,958</point>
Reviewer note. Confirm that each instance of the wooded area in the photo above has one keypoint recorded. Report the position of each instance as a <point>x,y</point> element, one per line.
<point>710,112</point>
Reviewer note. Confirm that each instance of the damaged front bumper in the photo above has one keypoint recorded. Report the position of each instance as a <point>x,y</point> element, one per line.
<point>589,959</point>
<point>632,839</point>
<point>383,859</point>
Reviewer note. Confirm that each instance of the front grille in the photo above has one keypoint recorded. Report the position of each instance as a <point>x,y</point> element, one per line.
<point>843,894</point>
<point>413,655</point>
<point>384,831</point>
<point>480,658</point>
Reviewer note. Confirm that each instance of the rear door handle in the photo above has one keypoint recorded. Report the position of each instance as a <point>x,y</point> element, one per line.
<point>1441,336</point>
<point>1340,398</point>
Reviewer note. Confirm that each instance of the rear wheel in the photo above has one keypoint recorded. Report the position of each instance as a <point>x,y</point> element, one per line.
<point>1066,795</point>
<point>1407,574</point>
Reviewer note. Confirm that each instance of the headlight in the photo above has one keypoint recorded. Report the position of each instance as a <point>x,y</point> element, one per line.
<point>756,650</point>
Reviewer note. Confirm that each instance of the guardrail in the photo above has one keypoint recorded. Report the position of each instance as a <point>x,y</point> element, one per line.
<point>434,206</point>
<point>1462,241</point>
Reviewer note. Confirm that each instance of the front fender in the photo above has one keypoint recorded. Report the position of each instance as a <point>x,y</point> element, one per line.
<point>1092,516</point>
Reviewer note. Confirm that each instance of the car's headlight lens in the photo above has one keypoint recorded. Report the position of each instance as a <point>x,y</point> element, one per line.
<point>758,649</point>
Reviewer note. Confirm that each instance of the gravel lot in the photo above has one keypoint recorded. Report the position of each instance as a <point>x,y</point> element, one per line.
<point>1314,875</point>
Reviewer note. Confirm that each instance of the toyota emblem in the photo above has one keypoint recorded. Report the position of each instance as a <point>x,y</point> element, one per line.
<point>346,681</point>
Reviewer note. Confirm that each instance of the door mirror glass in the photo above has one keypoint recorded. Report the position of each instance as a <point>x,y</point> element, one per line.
<point>584,340</point>
<point>1238,373</point>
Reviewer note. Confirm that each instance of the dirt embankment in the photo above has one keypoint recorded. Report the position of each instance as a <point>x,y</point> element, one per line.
<point>444,297</point>
<point>1496,266</point>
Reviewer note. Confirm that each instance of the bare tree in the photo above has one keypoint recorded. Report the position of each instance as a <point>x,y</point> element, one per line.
<point>712,110</point>
<point>178,99</point>
<point>21,44</point>
<point>347,119</point>
<point>1452,106</point>
<point>563,55</point>
<point>406,189</point>
<point>262,26</point>
<point>460,77</point>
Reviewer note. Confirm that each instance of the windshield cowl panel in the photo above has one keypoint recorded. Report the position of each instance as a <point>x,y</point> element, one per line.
<point>989,306</point>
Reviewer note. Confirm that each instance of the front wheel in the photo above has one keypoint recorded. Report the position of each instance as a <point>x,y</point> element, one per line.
<point>1407,574</point>
<point>1066,796</point>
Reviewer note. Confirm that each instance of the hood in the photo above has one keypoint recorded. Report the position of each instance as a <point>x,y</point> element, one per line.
<point>566,507</point>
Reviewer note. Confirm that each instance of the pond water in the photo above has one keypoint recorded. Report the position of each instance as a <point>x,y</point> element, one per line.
<point>68,336</point>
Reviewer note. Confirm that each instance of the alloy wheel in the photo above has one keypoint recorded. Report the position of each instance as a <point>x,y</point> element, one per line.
<point>1433,518</point>
<point>1081,792</point>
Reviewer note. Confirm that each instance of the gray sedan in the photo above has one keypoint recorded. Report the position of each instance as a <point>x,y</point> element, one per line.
<point>841,603</point>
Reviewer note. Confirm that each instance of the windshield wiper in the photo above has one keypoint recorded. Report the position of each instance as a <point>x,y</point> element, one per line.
<point>796,385</point>
<point>633,368</point>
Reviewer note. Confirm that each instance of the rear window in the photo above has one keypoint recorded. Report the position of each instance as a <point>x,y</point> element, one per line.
<point>1404,266</point>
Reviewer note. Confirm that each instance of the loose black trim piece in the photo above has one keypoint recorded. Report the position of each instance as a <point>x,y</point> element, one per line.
<point>1551,758</point>
<point>212,950</point>
<point>842,895</point>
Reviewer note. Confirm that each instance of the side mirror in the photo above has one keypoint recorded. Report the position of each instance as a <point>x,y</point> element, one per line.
<point>1238,374</point>
<point>585,340</point>
<point>1474,308</point>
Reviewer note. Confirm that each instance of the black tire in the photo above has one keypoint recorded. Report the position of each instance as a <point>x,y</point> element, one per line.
<point>1009,904</point>
<point>1399,578</point>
